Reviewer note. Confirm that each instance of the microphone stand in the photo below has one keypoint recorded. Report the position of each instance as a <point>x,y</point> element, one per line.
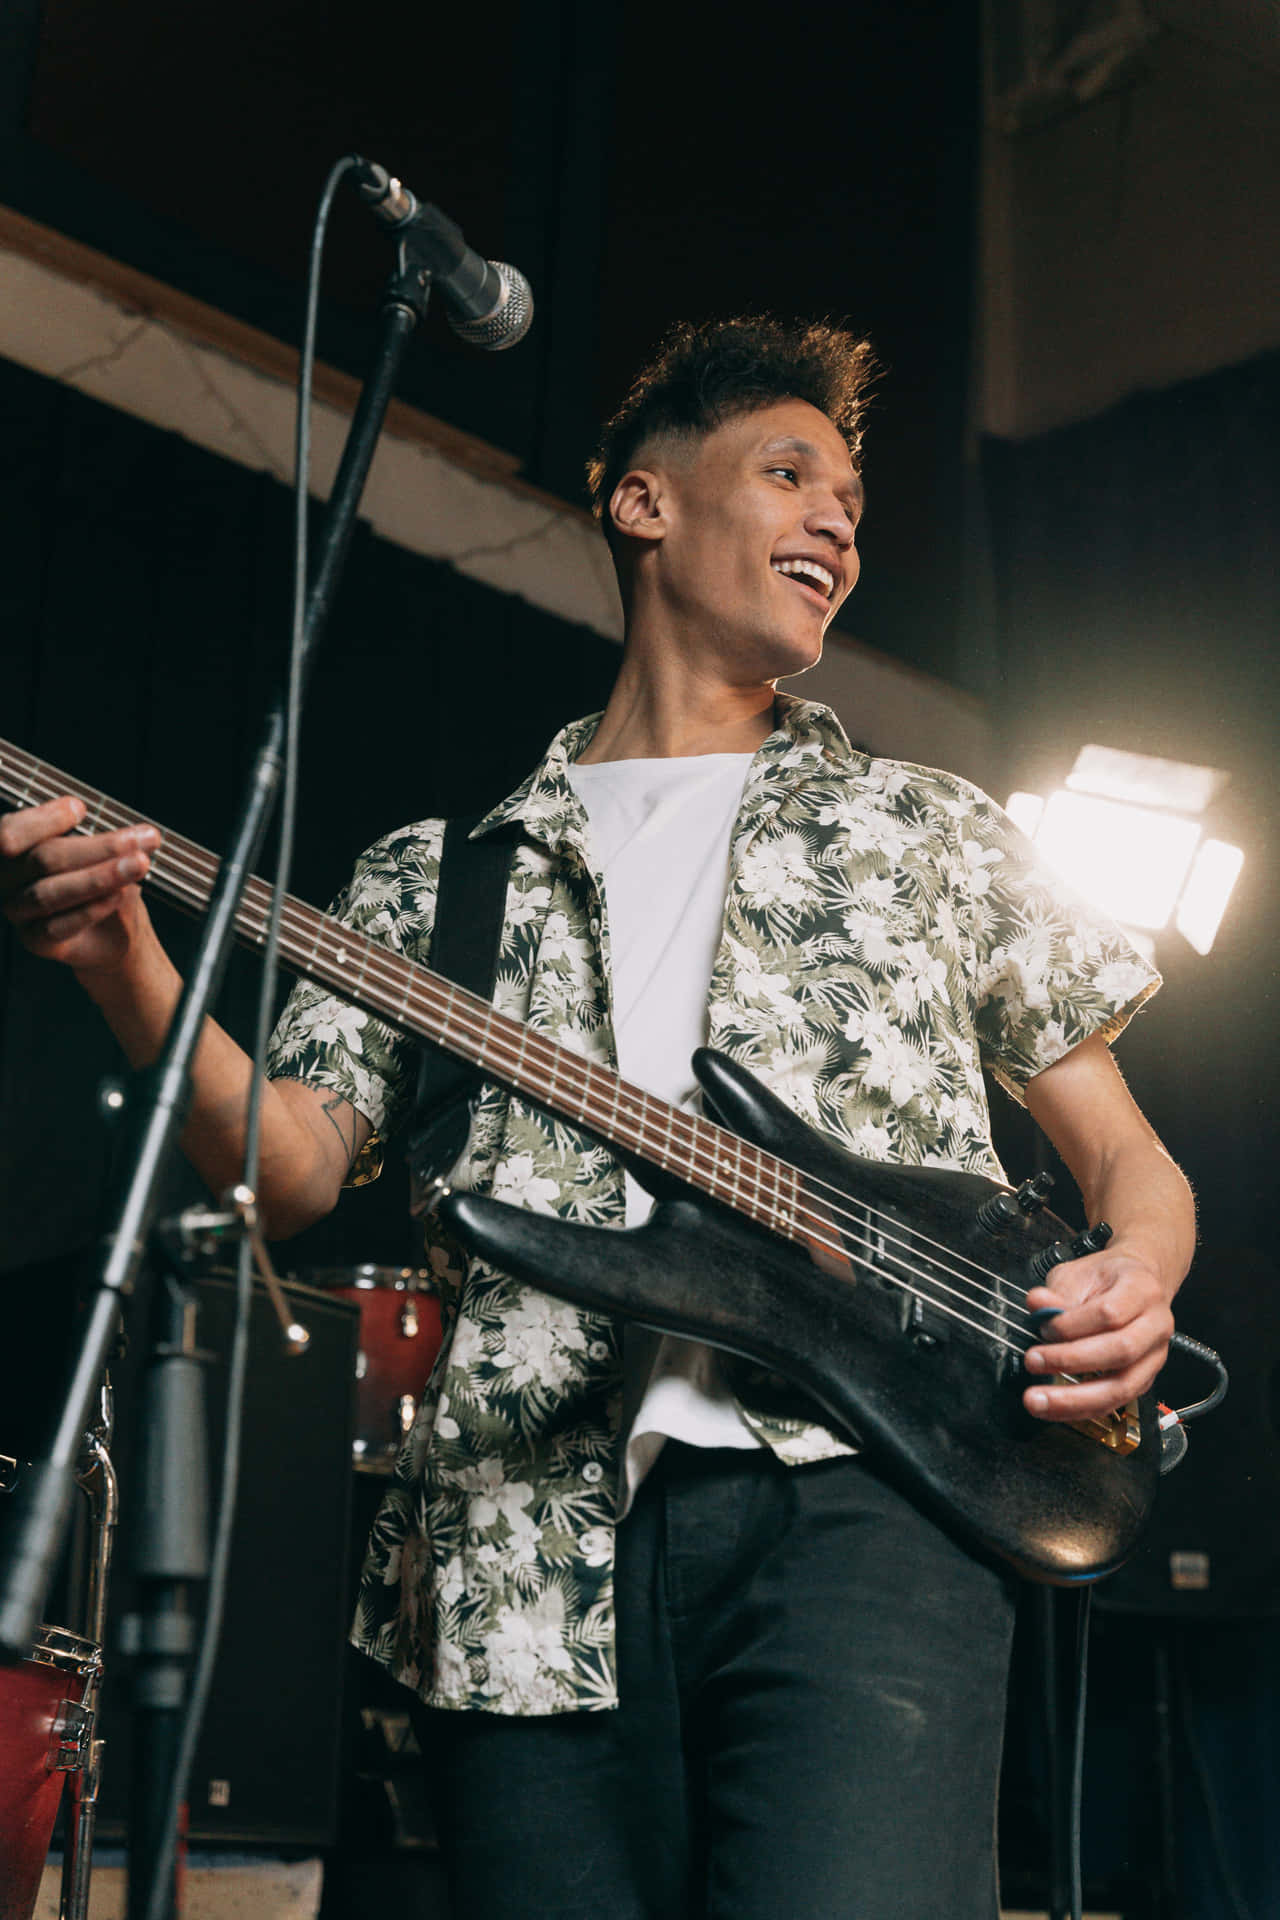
<point>40,1507</point>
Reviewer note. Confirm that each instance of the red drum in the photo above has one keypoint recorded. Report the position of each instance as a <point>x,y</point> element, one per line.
<point>44,1735</point>
<point>400,1336</point>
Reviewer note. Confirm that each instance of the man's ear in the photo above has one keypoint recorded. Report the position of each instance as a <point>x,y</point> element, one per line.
<point>638,508</point>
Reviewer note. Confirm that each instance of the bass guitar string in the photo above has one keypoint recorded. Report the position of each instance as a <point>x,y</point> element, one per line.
<point>876,1267</point>
<point>185,855</point>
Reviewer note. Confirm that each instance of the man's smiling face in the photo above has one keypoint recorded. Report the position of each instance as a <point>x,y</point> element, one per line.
<point>758,546</point>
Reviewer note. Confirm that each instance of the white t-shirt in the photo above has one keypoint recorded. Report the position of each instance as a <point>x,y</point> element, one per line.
<point>660,833</point>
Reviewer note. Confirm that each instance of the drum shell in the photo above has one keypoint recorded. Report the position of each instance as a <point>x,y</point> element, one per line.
<point>34,1696</point>
<point>400,1336</point>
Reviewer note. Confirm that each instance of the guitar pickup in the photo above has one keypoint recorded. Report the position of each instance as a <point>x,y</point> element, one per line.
<point>924,1326</point>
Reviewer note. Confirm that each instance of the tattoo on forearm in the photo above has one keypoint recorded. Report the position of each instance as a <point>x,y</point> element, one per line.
<point>335,1108</point>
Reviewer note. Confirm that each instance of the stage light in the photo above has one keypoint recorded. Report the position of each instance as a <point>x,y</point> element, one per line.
<point>1131,860</point>
<point>1126,832</point>
<point>1026,810</point>
<point>1204,898</point>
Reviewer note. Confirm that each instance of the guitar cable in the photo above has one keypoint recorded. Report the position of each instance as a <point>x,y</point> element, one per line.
<point>1172,1420</point>
<point>1173,1451</point>
<point>1184,1343</point>
<point>157,1895</point>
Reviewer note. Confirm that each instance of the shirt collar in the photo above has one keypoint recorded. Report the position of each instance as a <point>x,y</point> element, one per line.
<point>807,740</point>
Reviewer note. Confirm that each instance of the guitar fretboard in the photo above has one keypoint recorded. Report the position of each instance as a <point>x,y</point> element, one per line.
<point>413,999</point>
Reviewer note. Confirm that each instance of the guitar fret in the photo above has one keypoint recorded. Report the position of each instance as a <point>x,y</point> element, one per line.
<point>486,1033</point>
<point>642,1124</point>
<point>521,1051</point>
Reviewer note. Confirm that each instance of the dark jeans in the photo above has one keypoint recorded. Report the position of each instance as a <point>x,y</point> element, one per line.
<point>813,1682</point>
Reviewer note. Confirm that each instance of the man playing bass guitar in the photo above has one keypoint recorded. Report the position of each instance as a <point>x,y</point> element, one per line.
<point>677,1647</point>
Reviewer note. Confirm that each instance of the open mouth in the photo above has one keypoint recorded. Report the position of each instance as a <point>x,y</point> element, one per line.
<point>816,582</point>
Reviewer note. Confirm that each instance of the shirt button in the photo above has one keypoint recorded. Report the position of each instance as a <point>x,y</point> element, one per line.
<point>598,1350</point>
<point>592,1472</point>
<point>595,925</point>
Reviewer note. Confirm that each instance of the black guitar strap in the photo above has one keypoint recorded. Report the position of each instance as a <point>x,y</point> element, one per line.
<point>471,896</point>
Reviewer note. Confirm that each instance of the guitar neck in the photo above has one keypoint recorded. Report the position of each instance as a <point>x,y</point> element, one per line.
<point>426,1005</point>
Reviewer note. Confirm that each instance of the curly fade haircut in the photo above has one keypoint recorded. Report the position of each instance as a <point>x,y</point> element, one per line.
<point>705,374</point>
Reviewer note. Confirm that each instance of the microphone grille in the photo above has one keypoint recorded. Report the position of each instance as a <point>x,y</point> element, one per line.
<point>508,321</point>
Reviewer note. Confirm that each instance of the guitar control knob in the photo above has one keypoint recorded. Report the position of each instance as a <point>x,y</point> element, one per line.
<point>1033,1194</point>
<point>1049,1257</point>
<point>1002,1209</point>
<point>1092,1240</point>
<point>998,1212</point>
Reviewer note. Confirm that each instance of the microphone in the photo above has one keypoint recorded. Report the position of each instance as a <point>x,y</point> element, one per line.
<point>491,304</point>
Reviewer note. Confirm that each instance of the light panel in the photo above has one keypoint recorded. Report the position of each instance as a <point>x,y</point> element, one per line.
<point>1204,898</point>
<point>1025,811</point>
<point>1130,861</point>
<point>1142,780</point>
<point>1125,833</point>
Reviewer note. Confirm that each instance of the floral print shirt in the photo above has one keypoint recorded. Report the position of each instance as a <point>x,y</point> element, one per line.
<point>887,934</point>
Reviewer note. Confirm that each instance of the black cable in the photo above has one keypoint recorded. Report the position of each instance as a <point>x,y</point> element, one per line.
<point>211,1629</point>
<point>1183,1343</point>
<point>1084,1600</point>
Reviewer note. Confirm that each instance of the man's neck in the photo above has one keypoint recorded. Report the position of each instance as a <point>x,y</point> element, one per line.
<point>661,711</point>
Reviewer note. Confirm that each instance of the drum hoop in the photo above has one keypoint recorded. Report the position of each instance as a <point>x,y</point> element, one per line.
<point>369,1279</point>
<point>56,1647</point>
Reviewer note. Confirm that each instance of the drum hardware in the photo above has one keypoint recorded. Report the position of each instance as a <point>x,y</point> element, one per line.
<point>69,1737</point>
<point>201,1232</point>
<point>97,1479</point>
<point>429,1196</point>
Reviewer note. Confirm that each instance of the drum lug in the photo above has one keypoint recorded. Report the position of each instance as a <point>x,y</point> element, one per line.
<point>69,1738</point>
<point>409,1318</point>
<point>432,1194</point>
<point>407,1409</point>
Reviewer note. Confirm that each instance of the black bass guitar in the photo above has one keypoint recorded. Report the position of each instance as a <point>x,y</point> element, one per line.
<point>893,1296</point>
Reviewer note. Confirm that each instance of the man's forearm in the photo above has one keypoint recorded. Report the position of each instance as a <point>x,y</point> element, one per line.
<point>296,1180</point>
<point>1148,1203</point>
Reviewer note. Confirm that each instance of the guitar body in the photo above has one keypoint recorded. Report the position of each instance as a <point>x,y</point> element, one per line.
<point>933,1397</point>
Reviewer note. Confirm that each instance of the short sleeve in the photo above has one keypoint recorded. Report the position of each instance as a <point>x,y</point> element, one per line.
<point>324,1040</point>
<point>1051,970</point>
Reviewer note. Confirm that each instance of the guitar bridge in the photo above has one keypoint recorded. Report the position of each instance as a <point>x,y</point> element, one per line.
<point>1121,1431</point>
